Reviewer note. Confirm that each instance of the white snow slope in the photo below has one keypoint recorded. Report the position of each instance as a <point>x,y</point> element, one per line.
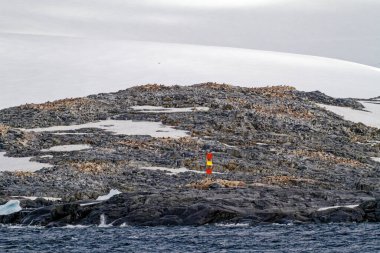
<point>51,49</point>
<point>35,68</point>
<point>343,29</point>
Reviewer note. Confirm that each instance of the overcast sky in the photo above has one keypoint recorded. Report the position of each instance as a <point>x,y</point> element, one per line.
<point>343,29</point>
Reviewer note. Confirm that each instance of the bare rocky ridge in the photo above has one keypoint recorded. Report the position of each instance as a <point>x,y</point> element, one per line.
<point>288,155</point>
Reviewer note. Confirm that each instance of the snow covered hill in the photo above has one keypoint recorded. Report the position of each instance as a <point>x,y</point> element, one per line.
<point>342,29</point>
<point>36,68</point>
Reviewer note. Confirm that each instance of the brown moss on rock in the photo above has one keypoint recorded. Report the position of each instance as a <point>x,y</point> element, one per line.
<point>327,157</point>
<point>96,167</point>
<point>292,181</point>
<point>208,182</point>
<point>23,174</point>
<point>73,103</point>
<point>4,129</point>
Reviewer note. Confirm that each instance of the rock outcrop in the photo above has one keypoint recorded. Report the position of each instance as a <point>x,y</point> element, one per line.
<point>279,157</point>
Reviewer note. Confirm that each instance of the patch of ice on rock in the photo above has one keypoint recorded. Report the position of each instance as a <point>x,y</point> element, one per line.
<point>112,193</point>
<point>334,207</point>
<point>12,206</point>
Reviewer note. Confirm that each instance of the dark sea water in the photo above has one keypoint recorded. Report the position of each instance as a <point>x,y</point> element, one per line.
<point>223,238</point>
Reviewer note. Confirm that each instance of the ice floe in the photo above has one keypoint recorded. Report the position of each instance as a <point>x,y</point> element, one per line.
<point>67,148</point>
<point>160,109</point>
<point>12,206</point>
<point>122,127</point>
<point>20,164</point>
<point>334,207</point>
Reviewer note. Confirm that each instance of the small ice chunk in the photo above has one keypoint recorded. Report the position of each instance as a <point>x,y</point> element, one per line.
<point>112,193</point>
<point>12,206</point>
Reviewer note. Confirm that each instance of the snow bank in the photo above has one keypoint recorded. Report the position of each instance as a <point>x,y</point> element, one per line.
<point>370,117</point>
<point>12,206</point>
<point>122,127</point>
<point>112,193</point>
<point>20,164</point>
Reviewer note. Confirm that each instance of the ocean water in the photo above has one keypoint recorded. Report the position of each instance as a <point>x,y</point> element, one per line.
<point>214,238</point>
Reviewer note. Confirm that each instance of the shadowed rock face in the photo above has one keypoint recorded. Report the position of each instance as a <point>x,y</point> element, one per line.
<point>189,207</point>
<point>288,155</point>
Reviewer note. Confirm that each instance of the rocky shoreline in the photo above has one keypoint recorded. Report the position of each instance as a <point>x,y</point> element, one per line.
<point>288,156</point>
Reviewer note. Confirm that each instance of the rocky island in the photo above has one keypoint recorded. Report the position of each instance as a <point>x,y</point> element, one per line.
<point>279,157</point>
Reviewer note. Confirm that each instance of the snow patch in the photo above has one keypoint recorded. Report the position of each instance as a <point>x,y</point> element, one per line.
<point>160,109</point>
<point>20,164</point>
<point>334,207</point>
<point>376,159</point>
<point>122,127</point>
<point>12,206</point>
<point>112,193</point>
<point>46,156</point>
<point>67,148</point>
<point>370,117</point>
<point>172,171</point>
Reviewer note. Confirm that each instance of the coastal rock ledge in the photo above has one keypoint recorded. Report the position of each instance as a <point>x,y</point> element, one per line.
<point>188,208</point>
